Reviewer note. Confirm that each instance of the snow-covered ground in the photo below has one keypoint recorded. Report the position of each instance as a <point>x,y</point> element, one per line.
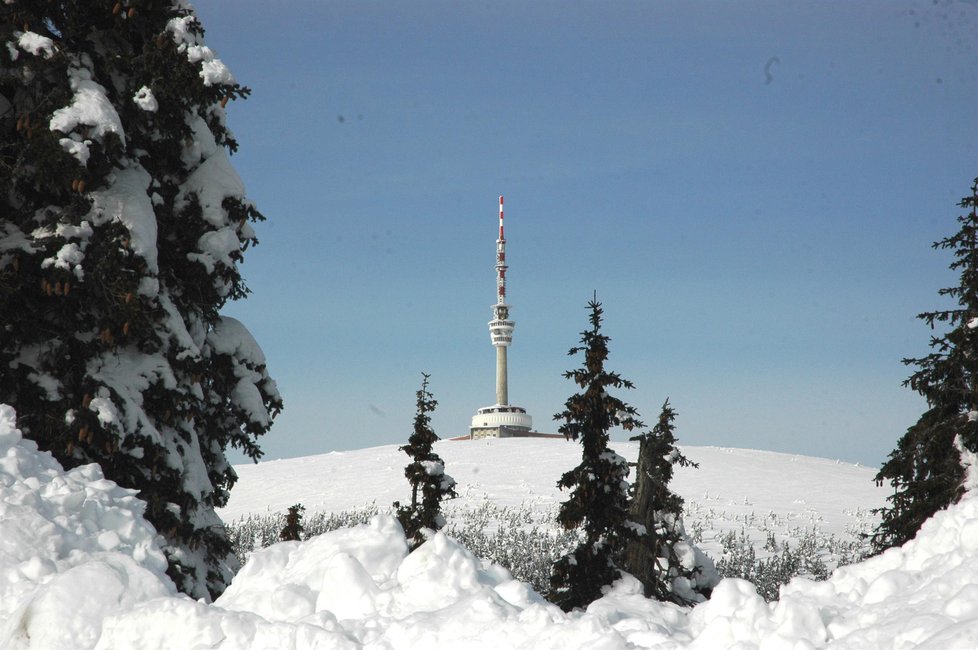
<point>732,489</point>
<point>79,568</point>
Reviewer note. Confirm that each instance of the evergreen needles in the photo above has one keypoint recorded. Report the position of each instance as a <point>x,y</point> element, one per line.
<point>636,531</point>
<point>426,474</point>
<point>293,528</point>
<point>122,225</point>
<point>926,470</point>
<point>598,501</point>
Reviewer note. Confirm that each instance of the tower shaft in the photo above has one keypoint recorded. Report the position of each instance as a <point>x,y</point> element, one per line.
<point>502,384</point>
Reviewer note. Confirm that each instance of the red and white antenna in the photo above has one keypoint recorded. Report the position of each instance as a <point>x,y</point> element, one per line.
<point>501,260</point>
<point>501,327</point>
<point>501,235</point>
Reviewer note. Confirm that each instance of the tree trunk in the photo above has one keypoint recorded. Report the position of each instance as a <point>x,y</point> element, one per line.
<point>640,554</point>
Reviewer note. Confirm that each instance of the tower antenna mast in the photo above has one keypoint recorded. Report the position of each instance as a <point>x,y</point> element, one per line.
<point>501,259</point>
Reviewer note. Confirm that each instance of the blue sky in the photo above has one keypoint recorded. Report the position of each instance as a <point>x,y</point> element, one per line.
<point>750,188</point>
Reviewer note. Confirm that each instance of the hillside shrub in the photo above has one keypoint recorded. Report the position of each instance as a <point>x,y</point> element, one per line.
<point>523,541</point>
<point>526,541</point>
<point>808,553</point>
<point>256,532</point>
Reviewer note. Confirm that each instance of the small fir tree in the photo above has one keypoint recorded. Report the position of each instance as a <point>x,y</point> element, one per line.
<point>662,556</point>
<point>292,531</point>
<point>926,470</point>
<point>598,501</point>
<point>122,225</point>
<point>426,474</point>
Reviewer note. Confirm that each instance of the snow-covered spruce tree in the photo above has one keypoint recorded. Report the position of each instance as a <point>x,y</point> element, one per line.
<point>122,225</point>
<point>426,474</point>
<point>926,470</point>
<point>662,556</point>
<point>292,530</point>
<point>598,501</point>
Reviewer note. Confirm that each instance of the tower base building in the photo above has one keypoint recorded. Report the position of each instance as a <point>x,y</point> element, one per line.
<point>500,422</point>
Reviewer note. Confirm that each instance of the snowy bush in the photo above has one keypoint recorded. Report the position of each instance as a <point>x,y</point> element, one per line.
<point>522,540</point>
<point>526,541</point>
<point>519,539</point>
<point>808,553</point>
<point>256,532</point>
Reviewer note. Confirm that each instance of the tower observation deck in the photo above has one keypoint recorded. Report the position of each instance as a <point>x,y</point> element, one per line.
<point>502,419</point>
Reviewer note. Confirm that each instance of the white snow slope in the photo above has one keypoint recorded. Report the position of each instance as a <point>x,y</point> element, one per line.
<point>732,489</point>
<point>79,569</point>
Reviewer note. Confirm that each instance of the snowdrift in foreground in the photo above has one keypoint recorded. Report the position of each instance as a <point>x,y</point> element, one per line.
<point>74,548</point>
<point>80,569</point>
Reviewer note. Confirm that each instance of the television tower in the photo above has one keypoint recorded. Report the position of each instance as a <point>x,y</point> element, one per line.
<point>501,420</point>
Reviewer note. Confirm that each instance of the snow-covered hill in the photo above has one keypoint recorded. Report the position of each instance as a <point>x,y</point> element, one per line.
<point>732,489</point>
<point>80,569</point>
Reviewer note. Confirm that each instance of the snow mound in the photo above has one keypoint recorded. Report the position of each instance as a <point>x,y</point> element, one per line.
<point>923,595</point>
<point>359,588</point>
<point>363,581</point>
<point>74,548</point>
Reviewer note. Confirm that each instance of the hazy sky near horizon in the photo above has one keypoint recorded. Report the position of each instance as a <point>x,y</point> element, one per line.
<point>750,188</point>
